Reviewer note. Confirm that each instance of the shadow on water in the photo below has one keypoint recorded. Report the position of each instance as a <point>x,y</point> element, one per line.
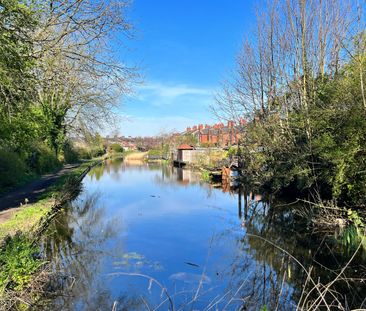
<point>136,223</point>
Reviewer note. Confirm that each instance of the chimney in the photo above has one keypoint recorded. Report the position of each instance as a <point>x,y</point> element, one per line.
<point>207,126</point>
<point>243,121</point>
<point>195,127</point>
<point>230,124</point>
<point>200,127</point>
<point>188,129</point>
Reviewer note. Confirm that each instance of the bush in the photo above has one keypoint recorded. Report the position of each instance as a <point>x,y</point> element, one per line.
<point>97,152</point>
<point>205,176</point>
<point>84,153</point>
<point>43,159</point>
<point>70,153</point>
<point>18,262</point>
<point>12,169</point>
<point>115,148</point>
<point>155,152</point>
<point>89,153</point>
<point>233,151</point>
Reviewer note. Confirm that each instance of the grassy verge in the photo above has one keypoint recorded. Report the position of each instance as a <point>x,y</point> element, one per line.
<point>53,190</point>
<point>23,271</point>
<point>19,260</point>
<point>26,217</point>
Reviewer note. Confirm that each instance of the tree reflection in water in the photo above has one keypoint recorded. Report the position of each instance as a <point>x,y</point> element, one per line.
<point>275,237</point>
<point>87,234</point>
<point>75,243</point>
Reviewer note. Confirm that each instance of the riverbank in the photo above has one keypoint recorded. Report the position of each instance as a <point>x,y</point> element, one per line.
<point>23,270</point>
<point>25,215</point>
<point>31,192</point>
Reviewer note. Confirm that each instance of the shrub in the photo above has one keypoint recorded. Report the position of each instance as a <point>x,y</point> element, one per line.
<point>205,176</point>
<point>84,153</point>
<point>70,153</point>
<point>12,168</point>
<point>155,152</point>
<point>116,148</point>
<point>43,159</point>
<point>18,262</point>
<point>97,152</point>
<point>89,153</point>
<point>233,151</point>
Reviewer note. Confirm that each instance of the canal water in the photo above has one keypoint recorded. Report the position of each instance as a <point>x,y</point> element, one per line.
<point>151,237</point>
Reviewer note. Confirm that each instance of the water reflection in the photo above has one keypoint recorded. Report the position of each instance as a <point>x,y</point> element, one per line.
<point>79,241</point>
<point>210,247</point>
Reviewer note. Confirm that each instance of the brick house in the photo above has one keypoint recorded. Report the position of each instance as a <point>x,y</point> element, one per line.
<point>217,135</point>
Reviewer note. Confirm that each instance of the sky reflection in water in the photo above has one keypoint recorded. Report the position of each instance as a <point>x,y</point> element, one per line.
<point>151,220</point>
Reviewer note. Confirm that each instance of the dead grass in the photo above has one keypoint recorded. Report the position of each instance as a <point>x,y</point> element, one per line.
<point>136,156</point>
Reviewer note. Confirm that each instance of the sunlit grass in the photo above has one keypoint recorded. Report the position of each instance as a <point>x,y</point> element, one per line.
<point>25,218</point>
<point>29,215</point>
<point>18,262</point>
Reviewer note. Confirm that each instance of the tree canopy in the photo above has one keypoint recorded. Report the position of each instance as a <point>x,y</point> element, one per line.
<point>58,75</point>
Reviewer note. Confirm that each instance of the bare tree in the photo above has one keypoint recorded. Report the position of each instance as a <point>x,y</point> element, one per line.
<point>80,79</point>
<point>294,43</point>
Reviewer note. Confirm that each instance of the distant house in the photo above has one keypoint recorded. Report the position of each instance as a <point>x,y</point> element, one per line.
<point>128,146</point>
<point>204,136</point>
<point>218,135</point>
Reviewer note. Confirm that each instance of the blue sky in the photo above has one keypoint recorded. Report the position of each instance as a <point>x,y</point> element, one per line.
<point>184,49</point>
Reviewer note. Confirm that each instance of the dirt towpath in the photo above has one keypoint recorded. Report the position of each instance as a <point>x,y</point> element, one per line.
<point>31,191</point>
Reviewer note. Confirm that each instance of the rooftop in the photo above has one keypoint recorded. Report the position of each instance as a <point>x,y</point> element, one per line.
<point>185,147</point>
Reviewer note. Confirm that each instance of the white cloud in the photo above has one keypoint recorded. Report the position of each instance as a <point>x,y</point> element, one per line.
<point>159,94</point>
<point>163,107</point>
<point>174,91</point>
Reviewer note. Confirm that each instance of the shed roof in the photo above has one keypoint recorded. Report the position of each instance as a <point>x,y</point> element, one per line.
<point>185,147</point>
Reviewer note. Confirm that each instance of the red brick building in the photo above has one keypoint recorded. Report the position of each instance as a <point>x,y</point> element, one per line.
<point>218,134</point>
